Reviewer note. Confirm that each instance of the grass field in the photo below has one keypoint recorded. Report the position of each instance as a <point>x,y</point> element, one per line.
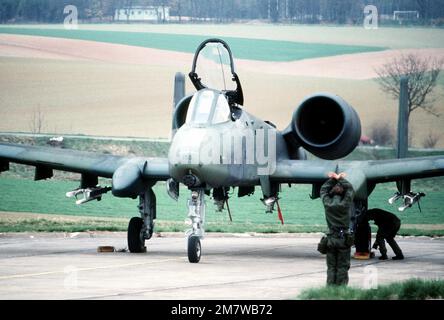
<point>414,289</point>
<point>300,212</point>
<point>251,49</point>
<point>395,38</point>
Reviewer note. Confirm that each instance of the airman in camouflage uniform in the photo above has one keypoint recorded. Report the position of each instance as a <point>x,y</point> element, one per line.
<point>337,196</point>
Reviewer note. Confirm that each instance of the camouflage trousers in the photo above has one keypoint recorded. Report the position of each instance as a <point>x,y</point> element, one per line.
<point>380,242</point>
<point>338,262</point>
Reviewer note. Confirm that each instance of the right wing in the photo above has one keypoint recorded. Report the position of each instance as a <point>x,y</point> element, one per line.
<point>363,175</point>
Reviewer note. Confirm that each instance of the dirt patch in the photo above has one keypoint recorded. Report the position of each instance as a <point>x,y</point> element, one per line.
<point>16,216</point>
<point>359,66</point>
<point>426,227</point>
<point>67,49</point>
<point>17,51</point>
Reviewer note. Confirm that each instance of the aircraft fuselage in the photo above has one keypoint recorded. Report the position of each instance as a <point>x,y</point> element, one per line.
<point>233,153</point>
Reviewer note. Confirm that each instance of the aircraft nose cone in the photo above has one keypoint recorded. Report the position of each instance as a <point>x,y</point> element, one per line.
<point>190,180</point>
<point>186,145</point>
<point>184,156</point>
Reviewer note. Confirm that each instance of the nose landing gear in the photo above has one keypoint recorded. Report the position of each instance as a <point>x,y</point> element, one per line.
<point>196,215</point>
<point>194,249</point>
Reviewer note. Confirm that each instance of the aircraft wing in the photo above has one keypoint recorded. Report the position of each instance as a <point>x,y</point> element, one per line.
<point>362,174</point>
<point>124,170</point>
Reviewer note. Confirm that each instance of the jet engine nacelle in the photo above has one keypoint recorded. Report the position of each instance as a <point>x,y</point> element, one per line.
<point>327,126</point>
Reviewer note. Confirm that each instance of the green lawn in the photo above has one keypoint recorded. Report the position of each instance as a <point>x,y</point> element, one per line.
<point>253,49</point>
<point>300,212</point>
<point>414,289</point>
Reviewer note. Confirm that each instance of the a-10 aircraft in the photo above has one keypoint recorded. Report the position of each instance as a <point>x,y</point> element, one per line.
<point>218,145</point>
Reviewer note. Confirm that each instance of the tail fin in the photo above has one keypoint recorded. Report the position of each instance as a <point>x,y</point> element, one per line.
<point>179,94</point>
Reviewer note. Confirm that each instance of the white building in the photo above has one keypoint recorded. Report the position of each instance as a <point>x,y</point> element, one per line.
<point>154,14</point>
<point>405,15</point>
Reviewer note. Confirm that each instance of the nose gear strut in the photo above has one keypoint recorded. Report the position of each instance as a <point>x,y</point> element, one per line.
<point>196,215</point>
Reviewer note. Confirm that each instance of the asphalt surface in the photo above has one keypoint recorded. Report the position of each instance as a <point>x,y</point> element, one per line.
<point>68,266</point>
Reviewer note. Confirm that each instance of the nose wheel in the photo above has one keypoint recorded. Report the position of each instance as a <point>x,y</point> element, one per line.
<point>196,217</point>
<point>194,249</point>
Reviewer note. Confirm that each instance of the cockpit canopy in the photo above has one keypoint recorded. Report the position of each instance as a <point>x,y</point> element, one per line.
<point>219,94</point>
<point>208,107</point>
<point>213,68</point>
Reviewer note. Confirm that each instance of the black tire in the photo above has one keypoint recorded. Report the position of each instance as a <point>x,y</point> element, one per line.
<point>135,243</point>
<point>194,249</point>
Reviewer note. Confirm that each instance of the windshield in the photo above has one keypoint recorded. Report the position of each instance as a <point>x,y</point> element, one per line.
<point>214,67</point>
<point>208,107</point>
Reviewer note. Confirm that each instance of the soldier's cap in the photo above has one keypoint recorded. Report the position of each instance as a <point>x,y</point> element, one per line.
<point>338,189</point>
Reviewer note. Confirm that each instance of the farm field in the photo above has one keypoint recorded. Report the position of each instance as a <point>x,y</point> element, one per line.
<point>83,97</point>
<point>389,37</point>
<point>81,92</point>
<point>251,49</point>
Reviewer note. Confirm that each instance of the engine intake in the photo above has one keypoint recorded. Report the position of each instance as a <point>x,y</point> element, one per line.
<point>327,126</point>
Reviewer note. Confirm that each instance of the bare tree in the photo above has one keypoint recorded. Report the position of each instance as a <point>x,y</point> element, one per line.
<point>430,140</point>
<point>423,75</point>
<point>382,133</point>
<point>37,121</point>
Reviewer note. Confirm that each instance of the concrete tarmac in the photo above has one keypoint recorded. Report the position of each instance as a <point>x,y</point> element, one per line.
<point>233,267</point>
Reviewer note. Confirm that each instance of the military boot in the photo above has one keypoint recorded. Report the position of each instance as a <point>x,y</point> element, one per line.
<point>396,249</point>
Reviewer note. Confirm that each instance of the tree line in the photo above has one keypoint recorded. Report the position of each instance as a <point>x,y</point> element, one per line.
<point>287,11</point>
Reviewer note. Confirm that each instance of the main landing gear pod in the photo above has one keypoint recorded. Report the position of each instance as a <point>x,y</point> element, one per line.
<point>141,229</point>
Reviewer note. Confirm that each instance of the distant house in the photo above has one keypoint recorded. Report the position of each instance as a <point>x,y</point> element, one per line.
<point>152,14</point>
<point>405,16</point>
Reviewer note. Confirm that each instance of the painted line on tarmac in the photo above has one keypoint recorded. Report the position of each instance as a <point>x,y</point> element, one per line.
<point>212,285</point>
<point>29,275</point>
<point>221,284</point>
<point>358,265</point>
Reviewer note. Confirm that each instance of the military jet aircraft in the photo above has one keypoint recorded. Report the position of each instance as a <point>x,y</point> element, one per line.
<point>217,145</point>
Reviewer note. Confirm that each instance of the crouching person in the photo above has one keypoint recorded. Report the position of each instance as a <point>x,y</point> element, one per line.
<point>388,227</point>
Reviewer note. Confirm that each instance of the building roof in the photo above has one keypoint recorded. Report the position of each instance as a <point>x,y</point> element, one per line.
<point>142,7</point>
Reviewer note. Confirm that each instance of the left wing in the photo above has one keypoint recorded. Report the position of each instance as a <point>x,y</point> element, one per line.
<point>128,174</point>
<point>364,175</point>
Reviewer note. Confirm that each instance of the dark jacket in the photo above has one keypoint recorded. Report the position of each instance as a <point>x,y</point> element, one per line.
<point>337,208</point>
<point>387,222</point>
